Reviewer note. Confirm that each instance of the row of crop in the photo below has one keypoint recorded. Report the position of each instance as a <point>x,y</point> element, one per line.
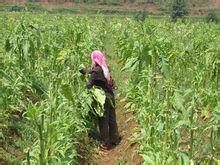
<point>43,97</point>
<point>173,89</point>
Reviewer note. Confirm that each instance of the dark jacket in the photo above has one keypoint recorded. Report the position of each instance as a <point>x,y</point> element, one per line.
<point>107,124</point>
<point>97,78</point>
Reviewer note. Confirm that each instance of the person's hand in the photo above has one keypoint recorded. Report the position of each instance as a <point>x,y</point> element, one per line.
<point>83,70</point>
<point>113,84</point>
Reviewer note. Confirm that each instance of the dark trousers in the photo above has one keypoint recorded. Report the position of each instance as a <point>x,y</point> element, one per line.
<point>107,124</point>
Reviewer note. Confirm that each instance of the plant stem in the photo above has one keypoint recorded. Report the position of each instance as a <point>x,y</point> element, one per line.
<point>218,76</point>
<point>28,158</point>
<point>212,144</point>
<point>191,135</point>
<point>166,121</point>
<point>42,149</point>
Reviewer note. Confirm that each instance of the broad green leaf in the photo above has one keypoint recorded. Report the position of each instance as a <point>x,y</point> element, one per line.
<point>129,63</point>
<point>148,159</point>
<point>99,95</point>
<point>178,101</point>
<point>66,90</point>
<point>7,45</point>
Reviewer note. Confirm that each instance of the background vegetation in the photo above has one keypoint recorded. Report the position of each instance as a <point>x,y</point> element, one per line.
<point>159,6</point>
<point>173,89</point>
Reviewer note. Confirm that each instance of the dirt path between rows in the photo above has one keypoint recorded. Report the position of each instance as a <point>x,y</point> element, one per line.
<point>126,151</point>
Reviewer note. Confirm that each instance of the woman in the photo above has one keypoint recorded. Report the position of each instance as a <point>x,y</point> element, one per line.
<point>100,76</point>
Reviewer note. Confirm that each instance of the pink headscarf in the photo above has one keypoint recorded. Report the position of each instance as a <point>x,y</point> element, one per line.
<point>98,57</point>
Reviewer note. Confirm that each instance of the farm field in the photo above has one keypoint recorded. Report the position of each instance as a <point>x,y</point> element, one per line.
<point>168,77</point>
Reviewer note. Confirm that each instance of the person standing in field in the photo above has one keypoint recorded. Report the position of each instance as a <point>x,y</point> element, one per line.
<point>100,77</point>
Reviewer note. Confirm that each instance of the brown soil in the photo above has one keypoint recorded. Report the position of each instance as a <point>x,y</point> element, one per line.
<point>151,8</point>
<point>200,10</point>
<point>215,4</point>
<point>126,151</point>
<point>62,3</point>
<point>9,155</point>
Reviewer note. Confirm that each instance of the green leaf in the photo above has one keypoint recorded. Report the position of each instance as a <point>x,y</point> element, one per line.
<point>66,91</point>
<point>7,45</point>
<point>99,95</point>
<point>178,101</point>
<point>148,159</point>
<point>185,158</point>
<point>62,55</point>
<point>129,63</point>
<point>183,122</point>
<point>26,47</point>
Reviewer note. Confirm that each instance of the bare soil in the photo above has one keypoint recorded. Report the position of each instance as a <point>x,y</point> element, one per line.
<point>126,151</point>
<point>215,4</point>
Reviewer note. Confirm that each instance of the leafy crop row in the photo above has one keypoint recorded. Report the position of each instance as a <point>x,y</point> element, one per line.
<point>173,88</point>
<point>41,86</point>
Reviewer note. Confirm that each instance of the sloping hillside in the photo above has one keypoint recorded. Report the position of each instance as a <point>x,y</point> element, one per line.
<point>122,3</point>
<point>196,7</point>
